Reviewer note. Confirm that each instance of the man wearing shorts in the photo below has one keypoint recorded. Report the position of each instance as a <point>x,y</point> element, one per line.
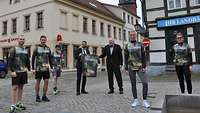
<point>19,64</point>
<point>56,62</point>
<point>41,62</point>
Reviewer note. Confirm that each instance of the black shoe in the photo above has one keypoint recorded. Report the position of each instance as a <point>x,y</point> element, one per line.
<point>38,99</point>
<point>84,92</point>
<point>121,92</point>
<point>78,93</point>
<point>45,99</point>
<point>110,92</point>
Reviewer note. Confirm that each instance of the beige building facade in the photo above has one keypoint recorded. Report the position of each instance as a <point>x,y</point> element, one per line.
<point>74,21</point>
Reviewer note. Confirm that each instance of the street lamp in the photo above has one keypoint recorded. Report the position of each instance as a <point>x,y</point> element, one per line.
<point>137,28</point>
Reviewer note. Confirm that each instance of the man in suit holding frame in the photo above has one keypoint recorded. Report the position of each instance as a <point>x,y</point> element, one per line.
<point>114,61</point>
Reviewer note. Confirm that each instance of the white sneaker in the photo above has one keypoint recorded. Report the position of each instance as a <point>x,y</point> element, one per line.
<point>146,104</point>
<point>135,103</point>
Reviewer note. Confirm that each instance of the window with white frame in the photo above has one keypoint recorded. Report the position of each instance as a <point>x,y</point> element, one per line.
<point>27,23</point>
<point>94,27</point>
<point>174,4</point>
<point>120,34</point>
<point>75,23</point>
<point>63,20</point>
<point>40,20</point>
<point>85,24</point>
<point>124,16</point>
<point>102,28</point>
<point>129,19</point>
<point>109,31</point>
<point>197,2</point>
<point>124,35</point>
<point>114,33</point>
<point>14,25</point>
<point>4,32</point>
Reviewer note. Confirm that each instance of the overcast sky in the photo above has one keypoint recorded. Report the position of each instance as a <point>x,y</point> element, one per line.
<point>115,2</point>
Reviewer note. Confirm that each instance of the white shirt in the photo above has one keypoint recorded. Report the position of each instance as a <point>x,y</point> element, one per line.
<point>111,50</point>
<point>84,51</point>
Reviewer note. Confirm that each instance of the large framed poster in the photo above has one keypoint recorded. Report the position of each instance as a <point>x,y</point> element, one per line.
<point>90,64</point>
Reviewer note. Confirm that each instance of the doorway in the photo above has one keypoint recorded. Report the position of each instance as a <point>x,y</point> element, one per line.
<point>170,38</point>
<point>196,29</point>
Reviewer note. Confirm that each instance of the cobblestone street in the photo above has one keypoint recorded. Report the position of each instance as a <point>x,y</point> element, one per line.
<point>97,101</point>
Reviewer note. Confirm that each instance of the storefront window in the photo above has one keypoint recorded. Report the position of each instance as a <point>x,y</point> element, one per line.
<point>64,56</point>
<point>6,53</point>
<point>75,48</point>
<point>94,50</point>
<point>103,59</point>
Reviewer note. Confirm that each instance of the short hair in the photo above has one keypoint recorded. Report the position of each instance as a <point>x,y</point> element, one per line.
<point>43,36</point>
<point>179,33</point>
<point>84,41</point>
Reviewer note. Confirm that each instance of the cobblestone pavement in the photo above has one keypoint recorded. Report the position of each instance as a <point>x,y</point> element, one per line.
<point>97,101</point>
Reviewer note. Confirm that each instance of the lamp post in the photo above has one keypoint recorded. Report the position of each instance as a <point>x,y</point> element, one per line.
<point>137,28</point>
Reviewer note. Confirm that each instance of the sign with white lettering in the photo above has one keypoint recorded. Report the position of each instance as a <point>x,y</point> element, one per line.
<point>162,23</point>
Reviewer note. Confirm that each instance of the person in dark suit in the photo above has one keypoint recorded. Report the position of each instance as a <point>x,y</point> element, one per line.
<point>79,55</point>
<point>114,61</point>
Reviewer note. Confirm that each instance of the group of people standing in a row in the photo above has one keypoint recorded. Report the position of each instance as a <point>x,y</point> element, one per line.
<point>43,61</point>
<point>135,63</point>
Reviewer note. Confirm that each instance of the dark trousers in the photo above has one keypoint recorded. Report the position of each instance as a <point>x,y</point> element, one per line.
<point>114,70</point>
<point>183,72</point>
<point>144,79</point>
<point>79,76</point>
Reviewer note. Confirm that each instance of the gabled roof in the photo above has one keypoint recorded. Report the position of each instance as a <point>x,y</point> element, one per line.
<point>97,6</point>
<point>121,8</point>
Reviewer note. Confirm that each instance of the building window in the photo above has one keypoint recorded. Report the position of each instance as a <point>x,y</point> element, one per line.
<point>63,20</point>
<point>16,1</point>
<point>124,35</point>
<point>114,33</point>
<point>174,4</point>
<point>124,16</point>
<point>120,34</point>
<point>102,28</point>
<point>4,32</point>
<point>109,31</point>
<point>75,23</point>
<point>132,21</point>
<point>197,2</point>
<point>129,35</point>
<point>129,19</point>
<point>10,2</point>
<point>93,27</point>
<point>40,20</point>
<point>14,25</point>
<point>27,23</point>
<point>85,25</point>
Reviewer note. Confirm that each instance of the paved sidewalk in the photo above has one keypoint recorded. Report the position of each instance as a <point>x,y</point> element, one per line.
<point>97,101</point>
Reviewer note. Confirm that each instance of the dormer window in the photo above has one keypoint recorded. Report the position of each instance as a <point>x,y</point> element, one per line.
<point>14,1</point>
